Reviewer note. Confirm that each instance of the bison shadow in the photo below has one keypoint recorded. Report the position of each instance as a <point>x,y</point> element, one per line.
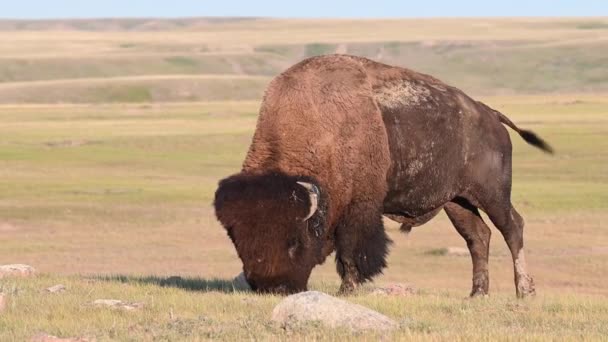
<point>191,284</point>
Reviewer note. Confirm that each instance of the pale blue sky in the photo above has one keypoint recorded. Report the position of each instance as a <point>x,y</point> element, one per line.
<point>302,8</point>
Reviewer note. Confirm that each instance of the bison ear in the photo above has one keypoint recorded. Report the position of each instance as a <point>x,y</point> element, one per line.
<point>313,195</point>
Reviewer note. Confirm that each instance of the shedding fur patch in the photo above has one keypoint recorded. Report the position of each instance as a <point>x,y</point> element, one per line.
<point>401,93</point>
<point>520,263</point>
<point>414,167</point>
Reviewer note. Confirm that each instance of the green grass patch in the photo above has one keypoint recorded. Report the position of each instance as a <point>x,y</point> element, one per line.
<point>122,194</point>
<point>182,313</point>
<point>593,25</point>
<point>125,94</point>
<point>181,61</point>
<point>316,49</point>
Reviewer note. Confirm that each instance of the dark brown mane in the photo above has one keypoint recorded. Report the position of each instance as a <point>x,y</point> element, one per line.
<point>258,208</point>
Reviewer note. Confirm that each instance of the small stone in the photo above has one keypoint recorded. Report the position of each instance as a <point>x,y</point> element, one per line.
<point>240,283</point>
<point>56,289</point>
<point>118,304</point>
<point>3,302</point>
<point>132,306</point>
<point>51,338</point>
<point>16,270</point>
<point>399,290</point>
<point>457,251</point>
<point>107,302</point>
<point>313,306</point>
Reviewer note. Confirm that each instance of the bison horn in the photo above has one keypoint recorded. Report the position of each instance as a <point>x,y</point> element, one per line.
<point>313,193</point>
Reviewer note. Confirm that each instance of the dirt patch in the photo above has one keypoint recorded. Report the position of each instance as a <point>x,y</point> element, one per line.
<point>70,143</point>
<point>7,227</point>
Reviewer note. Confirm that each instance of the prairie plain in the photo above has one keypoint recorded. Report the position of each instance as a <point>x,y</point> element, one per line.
<point>114,134</point>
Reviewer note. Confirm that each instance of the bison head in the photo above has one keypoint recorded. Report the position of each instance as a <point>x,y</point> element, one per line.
<point>275,222</point>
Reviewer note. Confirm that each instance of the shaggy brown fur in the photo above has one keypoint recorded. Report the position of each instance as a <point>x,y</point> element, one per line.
<point>262,204</point>
<point>374,139</point>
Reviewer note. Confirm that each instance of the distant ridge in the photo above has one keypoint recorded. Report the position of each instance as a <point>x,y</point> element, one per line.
<point>232,59</point>
<point>117,24</point>
<point>152,24</point>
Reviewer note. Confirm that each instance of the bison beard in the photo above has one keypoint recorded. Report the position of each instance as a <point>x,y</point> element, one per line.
<point>347,140</point>
<point>369,250</point>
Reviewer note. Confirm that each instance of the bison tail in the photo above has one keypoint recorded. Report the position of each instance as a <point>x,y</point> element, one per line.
<point>534,140</point>
<point>529,136</point>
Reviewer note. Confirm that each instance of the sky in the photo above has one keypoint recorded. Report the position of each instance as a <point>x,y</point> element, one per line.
<point>44,9</point>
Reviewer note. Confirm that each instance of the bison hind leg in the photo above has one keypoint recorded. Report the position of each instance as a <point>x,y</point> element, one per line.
<point>470,225</point>
<point>361,248</point>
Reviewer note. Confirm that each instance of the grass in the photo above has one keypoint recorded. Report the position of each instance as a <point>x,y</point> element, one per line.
<point>202,313</point>
<point>93,189</point>
<point>159,88</point>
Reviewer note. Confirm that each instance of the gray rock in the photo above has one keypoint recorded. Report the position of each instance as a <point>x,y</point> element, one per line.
<point>56,289</point>
<point>16,270</point>
<point>51,338</point>
<point>313,306</point>
<point>118,304</point>
<point>399,290</point>
<point>3,302</point>
<point>457,251</point>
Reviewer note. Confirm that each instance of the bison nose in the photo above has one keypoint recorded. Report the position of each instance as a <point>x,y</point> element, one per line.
<point>252,285</point>
<point>281,289</point>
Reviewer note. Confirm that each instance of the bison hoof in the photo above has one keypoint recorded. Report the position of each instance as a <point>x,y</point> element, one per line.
<point>347,288</point>
<point>479,293</point>
<point>525,287</point>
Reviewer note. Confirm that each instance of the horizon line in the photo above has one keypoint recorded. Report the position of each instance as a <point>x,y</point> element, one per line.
<point>304,18</point>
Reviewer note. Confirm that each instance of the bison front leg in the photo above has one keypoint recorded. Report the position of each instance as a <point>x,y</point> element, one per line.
<point>361,246</point>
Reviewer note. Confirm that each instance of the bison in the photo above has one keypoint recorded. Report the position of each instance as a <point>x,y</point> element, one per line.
<point>342,140</point>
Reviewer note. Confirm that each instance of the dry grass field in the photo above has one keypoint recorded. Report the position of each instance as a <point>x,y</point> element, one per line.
<point>113,135</point>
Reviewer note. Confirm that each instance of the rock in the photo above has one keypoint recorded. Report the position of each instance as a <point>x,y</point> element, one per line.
<point>240,283</point>
<point>400,290</point>
<point>56,289</point>
<point>51,338</point>
<point>118,304</point>
<point>457,251</point>
<point>16,270</point>
<point>313,306</point>
<point>3,302</point>
<point>107,302</point>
